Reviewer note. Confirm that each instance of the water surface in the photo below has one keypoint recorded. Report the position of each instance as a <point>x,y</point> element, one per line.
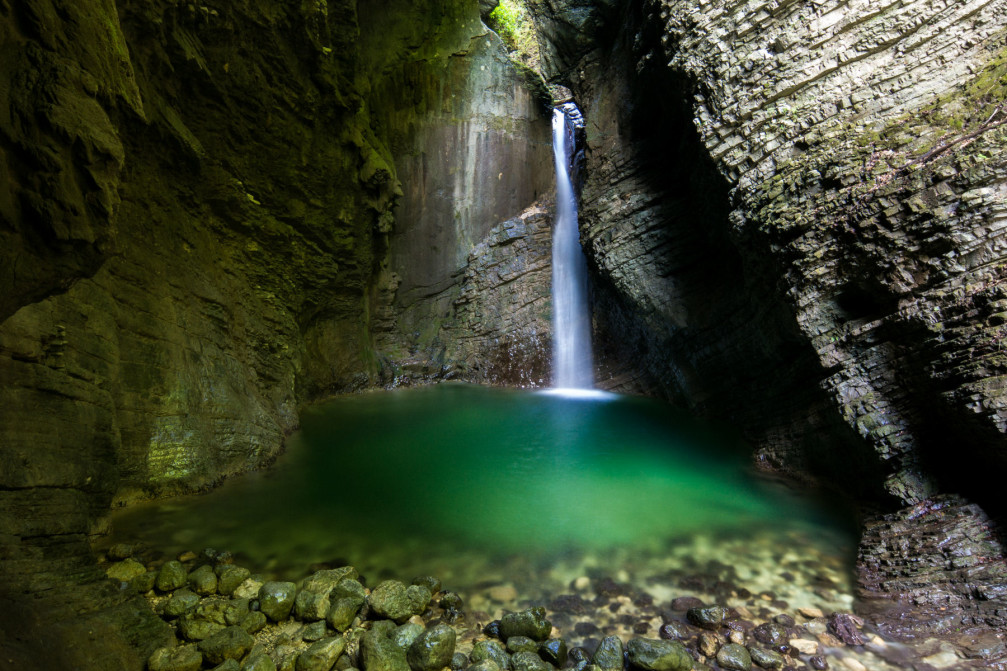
<point>477,485</point>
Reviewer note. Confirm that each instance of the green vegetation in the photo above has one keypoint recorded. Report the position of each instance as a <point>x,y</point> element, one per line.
<point>513,23</point>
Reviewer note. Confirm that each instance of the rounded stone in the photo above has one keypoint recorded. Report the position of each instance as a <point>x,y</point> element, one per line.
<point>767,659</point>
<point>276,599</point>
<point>254,622</point>
<point>258,661</point>
<point>609,655</point>
<point>378,650</point>
<point>530,623</point>
<point>770,633</point>
<point>707,618</point>
<point>183,658</point>
<point>126,570</point>
<point>450,601</point>
<point>490,650</point>
<point>735,657</point>
<point>672,631</point>
<point>657,655</point>
<point>171,576</point>
<point>203,580</point>
<point>343,611</point>
<point>458,661</point>
<point>428,581</point>
<point>521,644</point>
<point>393,600</point>
<point>553,651</point>
<point>181,601</point>
<point>433,649</point>
<point>528,661</point>
<point>229,643</point>
<point>321,655</point>
<point>229,577</point>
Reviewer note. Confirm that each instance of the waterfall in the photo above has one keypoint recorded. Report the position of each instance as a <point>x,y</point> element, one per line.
<point>572,364</point>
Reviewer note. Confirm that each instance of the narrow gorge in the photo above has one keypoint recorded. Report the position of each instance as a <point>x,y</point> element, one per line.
<point>793,213</point>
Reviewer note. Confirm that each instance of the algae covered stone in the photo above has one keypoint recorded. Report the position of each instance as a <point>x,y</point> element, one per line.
<point>230,643</point>
<point>432,649</point>
<point>735,657</point>
<point>203,581</point>
<point>380,652</point>
<point>276,599</point>
<point>321,655</point>
<point>183,658</point>
<point>530,623</point>
<point>658,655</point>
<point>393,600</point>
<point>609,655</point>
<point>171,576</point>
<point>126,570</point>
<point>490,650</point>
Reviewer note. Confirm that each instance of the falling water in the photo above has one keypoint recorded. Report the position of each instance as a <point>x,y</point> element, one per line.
<point>572,365</point>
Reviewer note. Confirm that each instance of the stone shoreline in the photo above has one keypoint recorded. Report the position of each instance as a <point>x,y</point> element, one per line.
<point>225,617</point>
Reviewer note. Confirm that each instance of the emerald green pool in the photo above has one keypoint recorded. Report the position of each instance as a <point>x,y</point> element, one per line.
<point>472,484</point>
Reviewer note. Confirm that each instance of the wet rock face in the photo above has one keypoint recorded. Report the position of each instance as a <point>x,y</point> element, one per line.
<point>194,237</point>
<point>843,191</point>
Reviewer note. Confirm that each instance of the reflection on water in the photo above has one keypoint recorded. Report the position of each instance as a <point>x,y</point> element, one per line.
<point>468,482</point>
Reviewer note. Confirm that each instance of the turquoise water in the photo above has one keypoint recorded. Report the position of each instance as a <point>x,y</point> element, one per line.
<point>458,478</point>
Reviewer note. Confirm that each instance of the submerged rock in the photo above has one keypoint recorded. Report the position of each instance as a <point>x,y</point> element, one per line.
<point>126,570</point>
<point>657,655</point>
<point>530,623</point>
<point>229,577</point>
<point>203,581</point>
<point>183,658</point>
<point>380,652</point>
<point>528,661</point>
<point>171,576</point>
<point>230,643</point>
<point>707,618</point>
<point>735,657</point>
<point>490,650</point>
<point>609,655</point>
<point>320,656</point>
<point>181,601</point>
<point>393,600</point>
<point>276,599</point>
<point>433,649</point>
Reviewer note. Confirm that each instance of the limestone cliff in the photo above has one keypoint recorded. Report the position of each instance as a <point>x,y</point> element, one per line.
<point>210,214</point>
<point>795,215</point>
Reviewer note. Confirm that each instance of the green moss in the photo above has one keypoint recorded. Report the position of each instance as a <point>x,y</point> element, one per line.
<point>513,23</point>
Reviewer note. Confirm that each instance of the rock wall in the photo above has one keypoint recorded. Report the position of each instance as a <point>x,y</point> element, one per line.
<point>206,212</point>
<point>795,212</point>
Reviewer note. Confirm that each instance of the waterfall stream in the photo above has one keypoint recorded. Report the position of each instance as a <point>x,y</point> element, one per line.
<point>572,363</point>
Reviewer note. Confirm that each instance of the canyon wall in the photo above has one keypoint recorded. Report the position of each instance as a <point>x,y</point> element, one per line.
<point>210,215</point>
<point>795,216</point>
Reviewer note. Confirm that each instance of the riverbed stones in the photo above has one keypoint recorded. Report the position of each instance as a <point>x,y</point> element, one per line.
<point>321,655</point>
<point>229,577</point>
<point>405,634</point>
<point>767,659</point>
<point>342,612</point>
<point>528,661</point>
<point>609,655</point>
<point>203,580</point>
<point>182,658</point>
<point>707,618</point>
<point>433,649</point>
<point>313,600</point>
<point>181,601</point>
<point>735,657</point>
<point>276,599</point>
<point>229,643</point>
<point>393,600</point>
<point>844,626</point>
<point>485,665</point>
<point>530,623</point>
<point>521,644</point>
<point>490,650</point>
<point>258,660</point>
<point>379,651</point>
<point>126,570</point>
<point>254,622</point>
<point>658,655</point>
<point>553,651</point>
<point>804,646</point>
<point>171,576</point>
<point>770,633</point>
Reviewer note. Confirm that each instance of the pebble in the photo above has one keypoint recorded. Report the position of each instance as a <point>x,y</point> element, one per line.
<point>804,646</point>
<point>502,593</point>
<point>811,613</point>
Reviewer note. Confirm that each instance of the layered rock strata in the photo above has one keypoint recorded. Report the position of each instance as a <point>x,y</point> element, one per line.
<point>835,232</point>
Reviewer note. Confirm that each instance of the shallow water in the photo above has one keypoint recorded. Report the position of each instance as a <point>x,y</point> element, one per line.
<point>482,486</point>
